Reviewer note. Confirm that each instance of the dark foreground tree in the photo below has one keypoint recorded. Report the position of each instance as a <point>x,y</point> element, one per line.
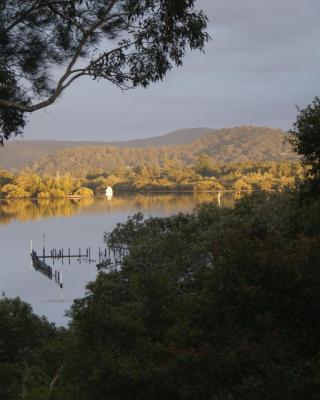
<point>31,353</point>
<point>306,141</point>
<point>218,304</point>
<point>127,42</point>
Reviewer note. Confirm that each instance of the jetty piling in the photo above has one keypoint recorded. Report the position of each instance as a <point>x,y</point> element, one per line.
<point>113,255</point>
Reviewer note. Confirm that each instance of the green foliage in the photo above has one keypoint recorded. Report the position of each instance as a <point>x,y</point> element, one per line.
<point>30,352</point>
<point>218,304</point>
<point>11,120</point>
<point>147,39</point>
<point>19,154</point>
<point>225,146</point>
<point>306,140</point>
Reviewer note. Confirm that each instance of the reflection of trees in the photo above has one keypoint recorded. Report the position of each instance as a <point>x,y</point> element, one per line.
<point>25,210</point>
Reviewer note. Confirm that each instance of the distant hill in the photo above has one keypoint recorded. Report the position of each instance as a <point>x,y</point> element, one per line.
<point>181,136</point>
<point>245,143</point>
<point>19,153</point>
<point>240,144</point>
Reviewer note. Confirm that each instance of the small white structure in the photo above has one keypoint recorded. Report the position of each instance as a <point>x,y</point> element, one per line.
<point>109,192</point>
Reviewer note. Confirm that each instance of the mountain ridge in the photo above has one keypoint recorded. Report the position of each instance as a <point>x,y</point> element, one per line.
<point>227,145</point>
<point>16,155</point>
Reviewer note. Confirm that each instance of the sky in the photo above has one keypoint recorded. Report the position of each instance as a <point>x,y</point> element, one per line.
<point>262,61</point>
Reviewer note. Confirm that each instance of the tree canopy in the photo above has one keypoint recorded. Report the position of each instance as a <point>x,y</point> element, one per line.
<point>127,42</point>
<point>217,304</point>
<point>306,139</point>
<point>30,352</point>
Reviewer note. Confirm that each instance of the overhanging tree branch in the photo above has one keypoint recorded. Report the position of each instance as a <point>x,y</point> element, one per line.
<point>145,39</point>
<point>60,87</point>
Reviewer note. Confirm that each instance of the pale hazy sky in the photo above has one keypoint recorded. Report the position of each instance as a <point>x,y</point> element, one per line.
<point>263,60</point>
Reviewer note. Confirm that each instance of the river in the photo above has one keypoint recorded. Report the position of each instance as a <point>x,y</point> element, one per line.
<point>70,224</point>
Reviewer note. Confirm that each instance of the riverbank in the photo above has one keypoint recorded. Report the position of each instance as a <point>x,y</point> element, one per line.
<point>243,177</point>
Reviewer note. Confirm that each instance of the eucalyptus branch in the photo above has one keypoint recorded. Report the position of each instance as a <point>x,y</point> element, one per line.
<point>148,40</point>
<point>66,18</point>
<point>60,85</point>
<point>23,14</point>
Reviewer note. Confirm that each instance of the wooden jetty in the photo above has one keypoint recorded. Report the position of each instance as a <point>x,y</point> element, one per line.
<point>80,255</point>
<point>46,270</point>
<point>108,257</point>
<point>60,254</point>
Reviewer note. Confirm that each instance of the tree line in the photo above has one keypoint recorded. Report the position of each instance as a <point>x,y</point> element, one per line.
<point>232,145</point>
<point>203,176</point>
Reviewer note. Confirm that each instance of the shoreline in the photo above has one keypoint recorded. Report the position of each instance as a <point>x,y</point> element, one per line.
<point>130,192</point>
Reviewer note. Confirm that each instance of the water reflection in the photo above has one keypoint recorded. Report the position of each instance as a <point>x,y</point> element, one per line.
<point>24,210</point>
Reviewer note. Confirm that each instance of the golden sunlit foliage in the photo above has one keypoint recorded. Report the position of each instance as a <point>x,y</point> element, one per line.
<point>203,176</point>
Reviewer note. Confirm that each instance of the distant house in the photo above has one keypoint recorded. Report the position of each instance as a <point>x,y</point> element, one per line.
<point>109,191</point>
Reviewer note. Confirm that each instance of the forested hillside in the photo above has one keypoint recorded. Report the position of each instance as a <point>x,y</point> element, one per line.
<point>181,136</point>
<point>18,154</point>
<point>238,144</point>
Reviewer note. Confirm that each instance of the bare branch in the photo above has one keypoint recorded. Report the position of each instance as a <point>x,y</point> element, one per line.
<point>83,73</point>
<point>54,380</point>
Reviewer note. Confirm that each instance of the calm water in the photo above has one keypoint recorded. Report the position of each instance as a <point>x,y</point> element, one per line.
<point>69,224</point>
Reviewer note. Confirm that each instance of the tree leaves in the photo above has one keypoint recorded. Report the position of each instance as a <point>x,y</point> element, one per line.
<point>139,43</point>
<point>306,140</point>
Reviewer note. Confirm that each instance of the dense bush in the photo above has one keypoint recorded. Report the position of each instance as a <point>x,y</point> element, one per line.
<point>218,304</point>
<point>13,191</point>
<point>31,351</point>
<point>83,192</point>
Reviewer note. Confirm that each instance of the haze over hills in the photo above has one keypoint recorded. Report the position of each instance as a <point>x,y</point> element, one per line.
<point>18,154</point>
<point>240,144</point>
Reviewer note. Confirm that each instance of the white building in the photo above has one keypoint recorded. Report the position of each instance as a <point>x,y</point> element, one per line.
<point>109,191</point>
